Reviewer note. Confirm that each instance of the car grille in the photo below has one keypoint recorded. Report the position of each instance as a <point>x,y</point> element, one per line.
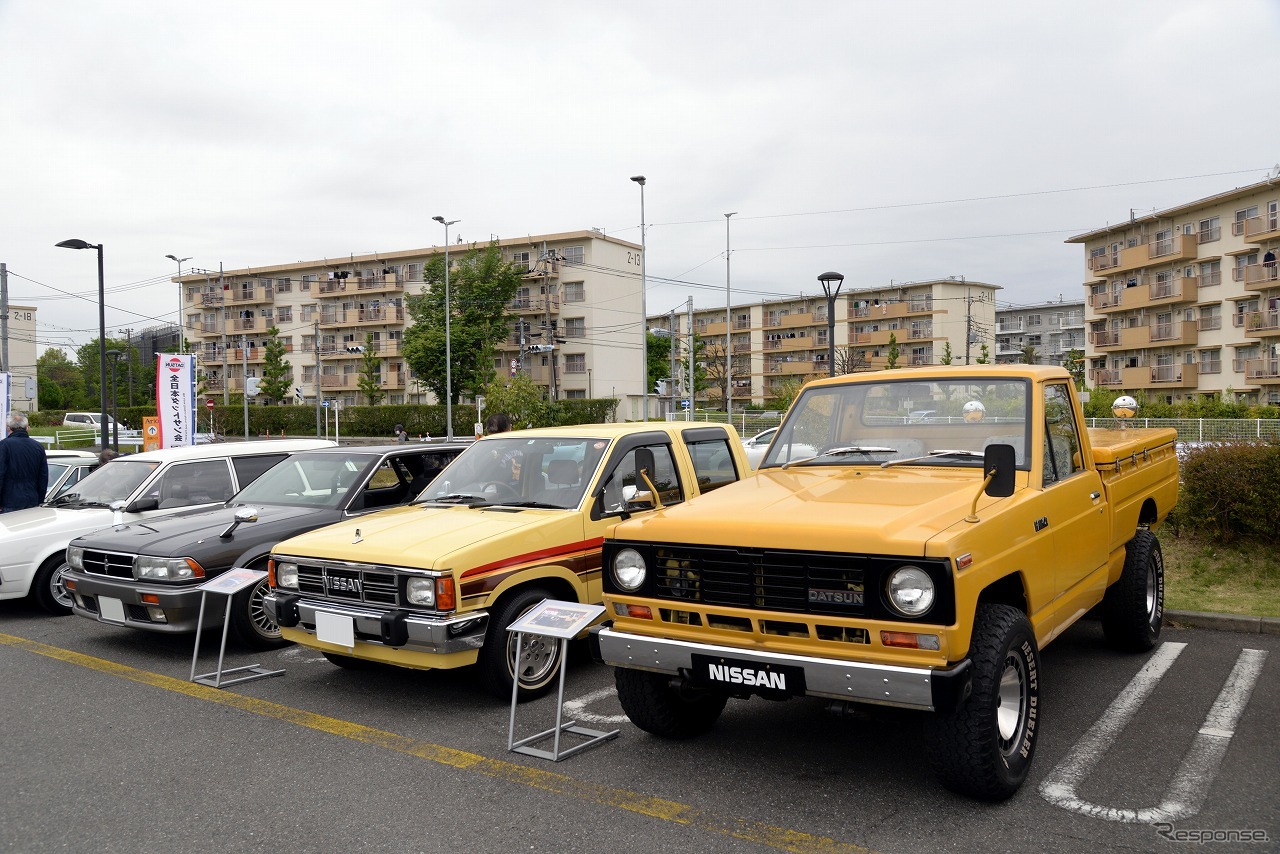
<point>348,583</point>
<point>111,564</point>
<point>811,582</point>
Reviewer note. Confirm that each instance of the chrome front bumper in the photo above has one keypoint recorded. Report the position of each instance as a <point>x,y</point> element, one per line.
<point>394,627</point>
<point>929,689</point>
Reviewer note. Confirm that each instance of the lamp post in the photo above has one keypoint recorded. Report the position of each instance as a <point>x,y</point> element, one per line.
<point>448,351</point>
<point>728,328</point>
<point>826,279</point>
<point>180,335</point>
<point>115,413</point>
<point>644,315</point>
<point>75,243</point>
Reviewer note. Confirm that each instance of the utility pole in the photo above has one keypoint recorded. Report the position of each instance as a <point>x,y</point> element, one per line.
<point>315,339</point>
<point>673,342</point>
<point>968,324</point>
<point>128,352</point>
<point>4,318</point>
<point>688,413</point>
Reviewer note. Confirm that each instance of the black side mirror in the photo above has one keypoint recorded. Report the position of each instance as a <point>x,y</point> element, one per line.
<point>143,504</point>
<point>1002,460</point>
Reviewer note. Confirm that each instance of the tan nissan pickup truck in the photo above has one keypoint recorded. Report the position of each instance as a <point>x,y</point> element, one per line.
<point>880,557</point>
<point>516,518</point>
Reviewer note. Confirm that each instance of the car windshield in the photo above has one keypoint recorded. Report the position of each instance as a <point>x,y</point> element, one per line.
<point>538,472</point>
<point>115,482</point>
<point>937,422</point>
<point>309,480</point>
<point>56,470</point>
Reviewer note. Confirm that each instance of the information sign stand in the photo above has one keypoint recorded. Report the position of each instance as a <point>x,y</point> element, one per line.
<point>562,620</point>
<point>228,584</point>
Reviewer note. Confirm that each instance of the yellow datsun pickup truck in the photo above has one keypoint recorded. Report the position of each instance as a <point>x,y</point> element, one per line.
<point>918,562</point>
<point>517,518</point>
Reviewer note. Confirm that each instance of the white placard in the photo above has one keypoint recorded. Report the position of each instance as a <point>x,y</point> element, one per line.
<point>111,609</point>
<point>336,629</point>
<point>175,390</point>
<point>556,619</point>
<point>233,580</point>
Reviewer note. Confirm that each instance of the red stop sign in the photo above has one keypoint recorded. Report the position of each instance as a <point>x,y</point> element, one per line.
<point>208,404</point>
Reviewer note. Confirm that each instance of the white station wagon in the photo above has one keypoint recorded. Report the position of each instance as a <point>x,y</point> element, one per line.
<point>33,542</point>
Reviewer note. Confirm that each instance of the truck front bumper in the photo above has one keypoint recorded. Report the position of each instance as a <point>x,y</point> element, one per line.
<point>397,627</point>
<point>928,689</point>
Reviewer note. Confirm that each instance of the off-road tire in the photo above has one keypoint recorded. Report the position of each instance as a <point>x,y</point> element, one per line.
<point>250,623</point>
<point>984,748</point>
<point>1133,607</point>
<point>541,657</point>
<point>656,706</point>
<point>48,589</point>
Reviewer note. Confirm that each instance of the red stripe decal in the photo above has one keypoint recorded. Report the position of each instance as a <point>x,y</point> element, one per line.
<point>529,557</point>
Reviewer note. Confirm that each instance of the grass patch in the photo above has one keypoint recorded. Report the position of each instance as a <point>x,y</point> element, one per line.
<point>1205,576</point>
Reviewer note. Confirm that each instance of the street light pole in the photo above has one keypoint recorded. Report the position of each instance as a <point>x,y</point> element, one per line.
<point>181,337</point>
<point>448,351</point>
<point>75,243</point>
<point>115,412</point>
<point>826,279</point>
<point>644,315</point>
<point>728,328</point>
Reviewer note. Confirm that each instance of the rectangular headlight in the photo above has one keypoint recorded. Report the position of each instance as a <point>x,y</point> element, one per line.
<point>287,575</point>
<point>75,557</point>
<point>421,592</point>
<point>148,568</point>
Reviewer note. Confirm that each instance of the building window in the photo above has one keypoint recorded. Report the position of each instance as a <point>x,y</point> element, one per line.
<point>1033,320</point>
<point>573,292</point>
<point>576,394</point>
<point>1237,225</point>
<point>575,327</point>
<point>575,363</point>
<point>1209,230</point>
<point>413,272</point>
<point>573,255</point>
<point>520,260</point>
<point>284,314</point>
<point>284,286</point>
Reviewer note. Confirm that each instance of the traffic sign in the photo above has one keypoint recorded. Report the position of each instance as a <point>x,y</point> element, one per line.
<point>325,404</point>
<point>684,404</point>
<point>208,404</point>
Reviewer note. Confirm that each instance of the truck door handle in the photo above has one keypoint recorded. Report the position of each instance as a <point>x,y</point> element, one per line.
<point>1095,495</point>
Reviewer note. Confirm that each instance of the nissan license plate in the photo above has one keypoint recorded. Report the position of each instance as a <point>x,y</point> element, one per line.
<point>716,670</point>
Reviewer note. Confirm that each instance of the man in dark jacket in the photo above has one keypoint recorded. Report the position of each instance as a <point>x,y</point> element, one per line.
<point>24,474</point>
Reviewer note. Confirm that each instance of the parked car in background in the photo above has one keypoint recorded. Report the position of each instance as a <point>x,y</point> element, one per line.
<point>147,575</point>
<point>66,469</point>
<point>33,542</point>
<point>758,444</point>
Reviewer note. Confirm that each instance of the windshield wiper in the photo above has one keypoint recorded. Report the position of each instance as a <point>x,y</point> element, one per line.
<point>467,498</point>
<point>843,452</point>
<point>541,505</point>
<point>932,454</point>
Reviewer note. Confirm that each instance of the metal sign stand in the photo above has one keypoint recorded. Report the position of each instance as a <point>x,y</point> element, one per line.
<point>562,620</point>
<point>228,584</point>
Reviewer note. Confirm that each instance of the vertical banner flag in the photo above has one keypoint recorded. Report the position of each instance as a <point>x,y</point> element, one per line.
<point>4,404</point>
<point>175,397</point>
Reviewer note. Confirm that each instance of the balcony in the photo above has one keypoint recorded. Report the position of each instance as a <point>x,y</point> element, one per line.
<point>1260,228</point>
<point>339,381</point>
<point>211,298</point>
<point>1212,366</point>
<point>535,305</point>
<point>394,379</point>
<point>380,284</point>
<point>800,342</point>
<point>1072,321</point>
<point>1147,377</point>
<point>248,324</point>
<point>1261,277</point>
<point>254,354</point>
<point>879,338</point>
<point>792,368</point>
<point>1261,324</point>
<point>712,329</point>
<point>799,319</point>
<point>1177,333</point>
<point>895,309</point>
<point>920,333</point>
<point>1262,371</point>
<point>243,295</point>
<point>1208,323</point>
<point>1182,247</point>
<point>1011,327</point>
<point>1147,292</point>
<point>742,324</point>
<point>212,384</point>
<point>383,314</point>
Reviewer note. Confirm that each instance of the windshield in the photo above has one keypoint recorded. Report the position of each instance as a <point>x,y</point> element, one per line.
<point>540,472</point>
<point>910,422</point>
<point>115,482</point>
<point>309,480</point>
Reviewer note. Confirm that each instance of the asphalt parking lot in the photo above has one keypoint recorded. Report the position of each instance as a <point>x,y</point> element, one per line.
<point>108,746</point>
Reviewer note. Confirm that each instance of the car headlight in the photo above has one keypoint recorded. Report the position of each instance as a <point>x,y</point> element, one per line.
<point>147,568</point>
<point>287,575</point>
<point>421,591</point>
<point>628,569</point>
<point>75,557</point>
<point>910,591</point>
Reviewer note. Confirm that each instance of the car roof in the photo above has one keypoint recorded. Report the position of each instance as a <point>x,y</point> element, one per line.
<point>229,449</point>
<point>397,448</point>
<point>70,456</point>
<point>608,431</point>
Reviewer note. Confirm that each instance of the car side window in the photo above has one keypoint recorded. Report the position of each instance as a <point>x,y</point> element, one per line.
<point>191,484</point>
<point>248,469</point>
<point>1062,457</point>
<point>712,464</point>
<point>621,490</point>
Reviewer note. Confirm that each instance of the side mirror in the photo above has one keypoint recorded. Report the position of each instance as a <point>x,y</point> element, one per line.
<point>1002,460</point>
<point>645,465</point>
<point>141,505</point>
<point>243,514</point>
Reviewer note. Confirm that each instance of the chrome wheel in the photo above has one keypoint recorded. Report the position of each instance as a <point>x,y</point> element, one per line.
<point>537,661</point>
<point>258,617</point>
<point>58,586</point>
<point>1011,708</point>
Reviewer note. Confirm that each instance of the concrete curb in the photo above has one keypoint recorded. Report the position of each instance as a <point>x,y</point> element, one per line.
<point>1224,622</point>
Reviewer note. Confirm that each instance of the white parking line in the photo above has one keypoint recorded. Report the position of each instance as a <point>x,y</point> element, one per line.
<point>1199,766</point>
<point>577,708</point>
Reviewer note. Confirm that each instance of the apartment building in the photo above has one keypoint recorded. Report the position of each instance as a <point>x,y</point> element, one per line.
<point>1185,302</point>
<point>20,349</point>
<point>776,341</point>
<point>575,326</point>
<point>1048,332</point>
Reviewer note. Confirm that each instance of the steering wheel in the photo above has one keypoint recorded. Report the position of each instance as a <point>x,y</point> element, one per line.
<point>503,490</point>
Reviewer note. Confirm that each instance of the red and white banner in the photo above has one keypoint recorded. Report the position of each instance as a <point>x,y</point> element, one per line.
<point>175,389</point>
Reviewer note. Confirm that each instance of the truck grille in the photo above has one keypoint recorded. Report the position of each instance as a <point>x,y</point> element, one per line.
<point>348,583</point>
<point>111,564</point>
<point>810,582</point>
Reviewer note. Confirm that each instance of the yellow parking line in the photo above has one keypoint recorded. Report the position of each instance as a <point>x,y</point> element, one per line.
<point>781,838</point>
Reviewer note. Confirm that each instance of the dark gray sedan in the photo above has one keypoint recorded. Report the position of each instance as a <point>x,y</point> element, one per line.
<point>146,575</point>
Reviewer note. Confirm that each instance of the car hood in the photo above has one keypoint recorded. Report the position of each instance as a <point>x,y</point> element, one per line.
<point>438,537</point>
<point>52,521</point>
<point>865,509</point>
<point>196,535</point>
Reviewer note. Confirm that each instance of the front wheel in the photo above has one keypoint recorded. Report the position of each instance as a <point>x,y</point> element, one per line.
<point>539,658</point>
<point>1133,607</point>
<point>250,621</point>
<point>49,587</point>
<point>657,706</point>
<point>984,748</point>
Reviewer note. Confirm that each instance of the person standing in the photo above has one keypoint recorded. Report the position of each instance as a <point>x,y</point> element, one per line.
<point>24,474</point>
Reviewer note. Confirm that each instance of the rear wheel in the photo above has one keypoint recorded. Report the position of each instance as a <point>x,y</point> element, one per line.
<point>539,658</point>
<point>250,621</point>
<point>1133,607</point>
<point>49,586</point>
<point>655,705</point>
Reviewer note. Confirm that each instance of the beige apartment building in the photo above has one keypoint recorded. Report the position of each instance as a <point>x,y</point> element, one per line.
<point>575,323</point>
<point>21,349</point>
<point>1185,302</point>
<point>775,341</point>
<point>1048,330</point>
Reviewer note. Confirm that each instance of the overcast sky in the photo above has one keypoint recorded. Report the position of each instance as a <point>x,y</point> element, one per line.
<point>890,141</point>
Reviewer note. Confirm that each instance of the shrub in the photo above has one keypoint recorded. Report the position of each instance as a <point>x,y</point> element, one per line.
<point>1228,492</point>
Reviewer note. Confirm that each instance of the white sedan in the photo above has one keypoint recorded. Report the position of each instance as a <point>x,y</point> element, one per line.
<point>758,444</point>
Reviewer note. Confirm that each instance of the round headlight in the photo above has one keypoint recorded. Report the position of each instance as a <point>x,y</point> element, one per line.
<point>910,591</point>
<point>628,569</point>
<point>421,591</point>
<point>287,575</point>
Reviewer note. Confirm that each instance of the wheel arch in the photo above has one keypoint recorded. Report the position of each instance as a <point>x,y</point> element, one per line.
<point>557,580</point>
<point>1009,590</point>
<point>1148,515</point>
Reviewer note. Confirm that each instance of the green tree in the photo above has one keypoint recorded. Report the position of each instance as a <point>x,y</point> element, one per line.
<point>784,394</point>
<point>985,358</point>
<point>370,381</point>
<point>480,289</point>
<point>88,362</point>
<point>59,381</point>
<point>1030,355</point>
<point>947,357</point>
<point>1074,362</point>
<point>519,399</point>
<point>659,358</point>
<point>892,361</point>
<point>277,380</point>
